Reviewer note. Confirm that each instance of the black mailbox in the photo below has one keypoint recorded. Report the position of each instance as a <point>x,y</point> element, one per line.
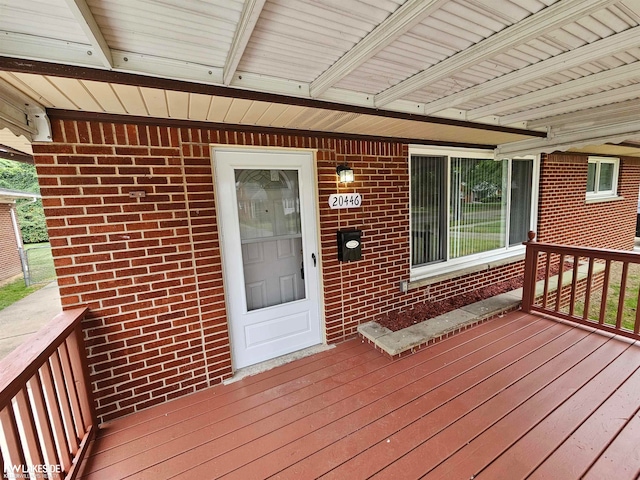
<point>349,245</point>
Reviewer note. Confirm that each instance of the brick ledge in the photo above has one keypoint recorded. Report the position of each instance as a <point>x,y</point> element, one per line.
<point>410,339</point>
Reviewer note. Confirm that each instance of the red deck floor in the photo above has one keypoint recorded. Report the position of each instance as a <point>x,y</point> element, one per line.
<point>516,397</point>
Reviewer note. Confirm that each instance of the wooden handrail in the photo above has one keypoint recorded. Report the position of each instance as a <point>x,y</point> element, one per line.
<point>589,258</point>
<point>47,410</point>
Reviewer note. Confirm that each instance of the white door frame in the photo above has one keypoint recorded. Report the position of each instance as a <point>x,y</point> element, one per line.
<point>226,232</point>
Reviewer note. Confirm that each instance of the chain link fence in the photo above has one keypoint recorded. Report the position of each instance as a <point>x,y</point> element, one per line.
<point>38,265</point>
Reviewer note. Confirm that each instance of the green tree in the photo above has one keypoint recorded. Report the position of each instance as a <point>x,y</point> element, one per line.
<point>23,177</point>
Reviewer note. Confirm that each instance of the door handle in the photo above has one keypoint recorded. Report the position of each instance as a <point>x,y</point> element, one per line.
<point>313,257</point>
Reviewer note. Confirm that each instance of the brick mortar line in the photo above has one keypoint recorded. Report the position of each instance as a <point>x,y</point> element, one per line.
<point>194,260</point>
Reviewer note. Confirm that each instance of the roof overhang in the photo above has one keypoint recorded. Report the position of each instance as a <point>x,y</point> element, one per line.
<point>135,97</point>
<point>10,196</point>
<point>487,74</point>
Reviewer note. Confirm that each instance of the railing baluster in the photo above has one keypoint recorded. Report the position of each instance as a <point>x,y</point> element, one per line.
<point>559,286</point>
<point>56,417</point>
<point>42,416</point>
<point>72,390</point>
<point>587,293</point>
<point>30,431</point>
<point>605,291</point>
<point>46,409</point>
<point>63,398</point>
<point>623,290</point>
<point>574,285</point>
<point>12,437</point>
<point>545,294</point>
<point>81,377</point>
<point>600,269</point>
<point>636,325</point>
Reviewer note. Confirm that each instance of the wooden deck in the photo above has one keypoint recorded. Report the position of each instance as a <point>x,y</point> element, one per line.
<point>516,397</point>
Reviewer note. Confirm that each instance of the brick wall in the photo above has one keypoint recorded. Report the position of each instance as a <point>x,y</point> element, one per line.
<point>566,218</point>
<point>9,255</point>
<point>149,268</point>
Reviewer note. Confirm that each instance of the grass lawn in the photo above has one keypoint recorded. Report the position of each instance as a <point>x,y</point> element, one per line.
<point>41,265</point>
<point>14,291</point>
<point>613,297</point>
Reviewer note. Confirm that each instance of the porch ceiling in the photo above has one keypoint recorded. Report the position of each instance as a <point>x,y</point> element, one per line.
<point>564,70</point>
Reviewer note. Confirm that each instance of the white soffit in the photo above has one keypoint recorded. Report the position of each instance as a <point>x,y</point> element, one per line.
<point>512,63</point>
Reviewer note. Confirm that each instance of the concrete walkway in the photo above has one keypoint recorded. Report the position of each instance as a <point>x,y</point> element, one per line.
<point>25,317</point>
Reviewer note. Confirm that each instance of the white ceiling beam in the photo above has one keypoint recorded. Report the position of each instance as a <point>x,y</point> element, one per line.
<point>608,77</point>
<point>576,104</point>
<point>248,19</point>
<point>547,20</point>
<point>87,22</point>
<point>565,61</point>
<point>31,47</point>
<point>165,68</point>
<point>599,135</point>
<point>604,115</point>
<point>58,51</point>
<point>398,23</point>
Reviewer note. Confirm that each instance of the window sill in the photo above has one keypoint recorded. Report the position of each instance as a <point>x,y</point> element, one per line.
<point>454,271</point>
<point>609,198</point>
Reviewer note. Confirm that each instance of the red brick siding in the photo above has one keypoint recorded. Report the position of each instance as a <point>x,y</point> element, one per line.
<point>9,255</point>
<point>150,269</point>
<point>566,218</point>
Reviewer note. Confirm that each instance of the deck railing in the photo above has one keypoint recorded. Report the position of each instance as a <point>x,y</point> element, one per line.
<point>585,285</point>
<point>46,406</point>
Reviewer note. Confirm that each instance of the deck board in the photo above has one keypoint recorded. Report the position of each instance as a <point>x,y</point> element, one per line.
<point>621,459</point>
<point>575,454</point>
<point>260,440</point>
<point>366,431</point>
<point>226,412</point>
<point>560,398</point>
<point>436,418</point>
<point>511,397</point>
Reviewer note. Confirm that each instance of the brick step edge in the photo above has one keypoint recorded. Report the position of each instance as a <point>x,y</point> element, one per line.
<point>411,339</point>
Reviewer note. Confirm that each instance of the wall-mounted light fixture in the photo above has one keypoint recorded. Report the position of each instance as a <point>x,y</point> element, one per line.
<point>345,173</point>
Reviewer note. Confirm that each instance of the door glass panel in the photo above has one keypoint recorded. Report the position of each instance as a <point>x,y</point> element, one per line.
<point>271,236</point>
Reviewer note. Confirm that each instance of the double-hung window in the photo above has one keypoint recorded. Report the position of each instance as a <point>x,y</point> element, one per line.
<point>468,209</point>
<point>602,177</point>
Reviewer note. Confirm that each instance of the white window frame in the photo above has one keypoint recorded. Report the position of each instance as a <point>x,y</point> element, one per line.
<point>604,194</point>
<point>487,258</point>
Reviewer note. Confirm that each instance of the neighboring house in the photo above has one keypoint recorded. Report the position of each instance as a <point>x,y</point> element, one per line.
<point>197,221</point>
<point>10,238</point>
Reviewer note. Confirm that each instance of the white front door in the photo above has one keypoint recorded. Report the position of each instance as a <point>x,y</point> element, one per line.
<point>267,214</point>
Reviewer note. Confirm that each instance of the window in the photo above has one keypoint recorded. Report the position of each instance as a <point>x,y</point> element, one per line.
<point>464,205</point>
<point>602,177</point>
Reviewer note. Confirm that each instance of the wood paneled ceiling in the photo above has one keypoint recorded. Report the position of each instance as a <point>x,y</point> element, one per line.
<point>527,76</point>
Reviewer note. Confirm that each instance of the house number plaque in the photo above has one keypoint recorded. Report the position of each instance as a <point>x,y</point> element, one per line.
<point>345,200</point>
